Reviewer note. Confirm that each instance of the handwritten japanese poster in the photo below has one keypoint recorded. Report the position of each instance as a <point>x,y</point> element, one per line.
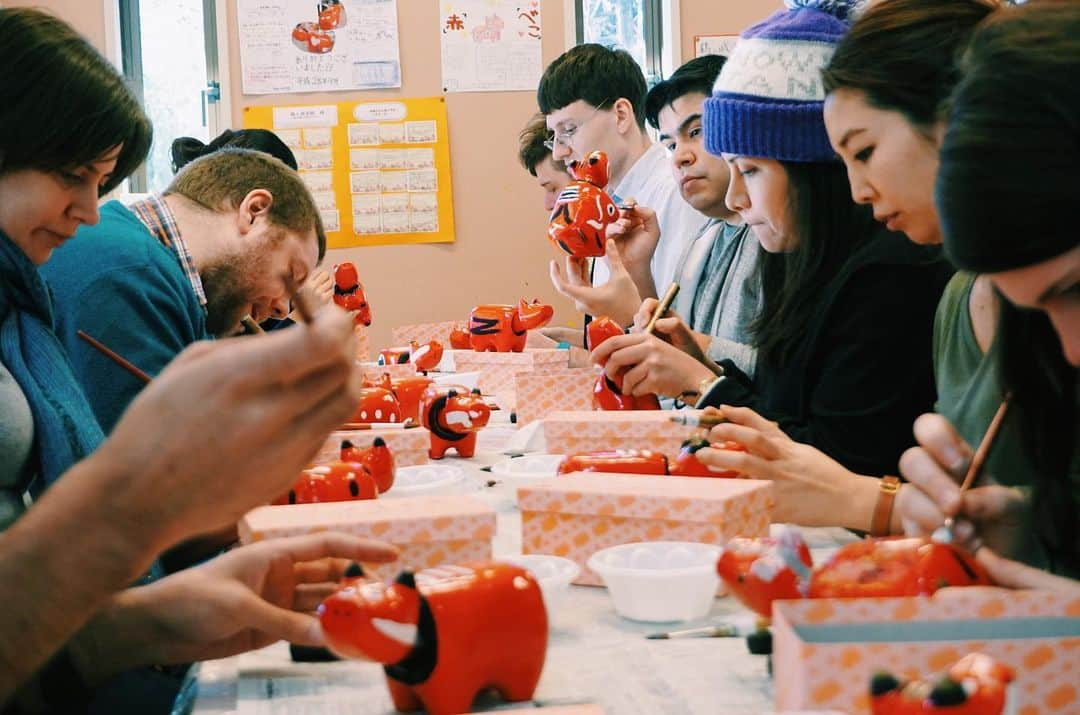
<point>379,171</point>
<point>289,46</point>
<point>490,45</point>
<point>714,45</point>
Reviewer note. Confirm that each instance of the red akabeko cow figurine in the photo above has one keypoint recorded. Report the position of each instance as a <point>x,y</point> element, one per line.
<point>378,459</point>
<point>607,393</point>
<point>974,685</point>
<point>377,405</point>
<point>337,481</point>
<point>618,461</point>
<point>427,356</point>
<point>583,210</point>
<point>453,418</point>
<point>687,463</point>
<point>502,328</point>
<point>349,293</point>
<point>445,634</point>
<point>460,338</point>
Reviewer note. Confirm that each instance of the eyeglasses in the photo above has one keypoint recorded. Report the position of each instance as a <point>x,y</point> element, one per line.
<point>566,136</point>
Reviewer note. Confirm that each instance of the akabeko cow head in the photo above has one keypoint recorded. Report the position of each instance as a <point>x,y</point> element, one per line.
<point>371,619</point>
<point>594,169</point>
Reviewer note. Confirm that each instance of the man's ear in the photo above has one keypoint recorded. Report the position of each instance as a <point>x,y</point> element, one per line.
<point>256,204</point>
<point>624,115</point>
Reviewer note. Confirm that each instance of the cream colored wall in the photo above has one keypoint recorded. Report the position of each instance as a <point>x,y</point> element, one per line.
<point>719,17</point>
<point>501,252</point>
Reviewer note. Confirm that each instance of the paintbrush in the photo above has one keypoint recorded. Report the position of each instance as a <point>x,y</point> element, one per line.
<point>944,533</point>
<point>662,307</point>
<point>114,357</point>
<point>721,630</point>
<point>698,420</point>
<point>252,327</point>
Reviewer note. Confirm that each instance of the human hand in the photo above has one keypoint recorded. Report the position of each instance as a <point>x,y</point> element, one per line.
<point>648,365</point>
<point>809,487</point>
<point>246,599</point>
<point>636,234</point>
<point>319,287</point>
<point>1013,574</point>
<point>618,298</point>
<point>989,514</point>
<point>229,425</point>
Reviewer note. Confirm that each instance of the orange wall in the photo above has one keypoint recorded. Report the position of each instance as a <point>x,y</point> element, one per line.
<point>501,252</point>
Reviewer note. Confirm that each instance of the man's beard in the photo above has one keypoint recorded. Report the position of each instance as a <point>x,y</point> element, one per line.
<point>226,299</point>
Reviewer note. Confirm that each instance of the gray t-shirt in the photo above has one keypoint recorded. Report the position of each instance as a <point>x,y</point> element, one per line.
<point>16,444</point>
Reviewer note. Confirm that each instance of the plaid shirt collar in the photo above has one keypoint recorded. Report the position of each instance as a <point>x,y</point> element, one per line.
<point>159,221</point>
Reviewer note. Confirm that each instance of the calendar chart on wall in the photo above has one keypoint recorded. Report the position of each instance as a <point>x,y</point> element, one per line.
<point>379,171</point>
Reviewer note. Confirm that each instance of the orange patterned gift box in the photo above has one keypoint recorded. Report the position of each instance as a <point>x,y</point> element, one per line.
<point>409,446</point>
<point>426,332</point>
<point>578,514</point>
<point>497,370</point>
<point>428,531</point>
<point>575,432</point>
<point>825,650</point>
<point>542,393</point>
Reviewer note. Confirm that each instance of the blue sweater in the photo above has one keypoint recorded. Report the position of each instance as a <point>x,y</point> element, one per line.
<point>117,282</point>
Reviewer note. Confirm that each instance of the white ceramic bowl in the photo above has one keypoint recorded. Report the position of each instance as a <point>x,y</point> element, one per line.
<point>522,471</point>
<point>426,480</point>
<point>553,573</point>
<point>659,581</point>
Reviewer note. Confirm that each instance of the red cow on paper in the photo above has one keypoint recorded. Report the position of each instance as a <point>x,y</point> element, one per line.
<point>445,634</point>
<point>502,328</point>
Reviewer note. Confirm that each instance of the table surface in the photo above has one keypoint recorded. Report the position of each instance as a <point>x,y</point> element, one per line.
<point>593,654</point>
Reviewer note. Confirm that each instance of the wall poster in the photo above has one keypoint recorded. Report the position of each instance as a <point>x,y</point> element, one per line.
<point>490,45</point>
<point>289,46</point>
<point>379,170</point>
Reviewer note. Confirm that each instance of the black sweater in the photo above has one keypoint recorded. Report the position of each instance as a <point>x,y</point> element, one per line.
<point>864,370</point>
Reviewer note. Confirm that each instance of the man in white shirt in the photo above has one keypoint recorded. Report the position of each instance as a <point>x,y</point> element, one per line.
<point>594,99</point>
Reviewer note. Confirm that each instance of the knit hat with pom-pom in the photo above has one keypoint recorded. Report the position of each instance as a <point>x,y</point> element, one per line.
<point>769,98</point>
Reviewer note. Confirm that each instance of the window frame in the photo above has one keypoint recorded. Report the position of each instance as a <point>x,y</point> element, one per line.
<point>661,31</point>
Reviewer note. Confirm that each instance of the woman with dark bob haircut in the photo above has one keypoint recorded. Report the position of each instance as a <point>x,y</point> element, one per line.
<point>70,131</point>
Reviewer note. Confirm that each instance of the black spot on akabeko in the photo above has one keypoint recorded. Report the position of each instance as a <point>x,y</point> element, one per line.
<point>593,160</point>
<point>292,496</point>
<point>354,570</point>
<point>378,442</point>
<point>354,488</point>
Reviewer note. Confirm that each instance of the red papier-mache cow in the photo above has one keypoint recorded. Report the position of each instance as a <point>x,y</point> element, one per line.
<point>445,634</point>
<point>583,210</point>
<point>502,328</point>
<point>453,418</point>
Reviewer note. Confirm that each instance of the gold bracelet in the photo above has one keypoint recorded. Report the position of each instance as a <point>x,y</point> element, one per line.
<point>882,519</point>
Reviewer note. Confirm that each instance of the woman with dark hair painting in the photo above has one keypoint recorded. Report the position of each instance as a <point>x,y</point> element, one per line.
<point>844,334</point>
<point>70,131</point>
<point>1012,137</point>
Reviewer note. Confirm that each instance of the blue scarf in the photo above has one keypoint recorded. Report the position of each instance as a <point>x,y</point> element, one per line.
<point>65,429</point>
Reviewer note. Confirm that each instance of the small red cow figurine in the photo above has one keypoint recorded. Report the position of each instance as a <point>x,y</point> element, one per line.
<point>454,419</point>
<point>974,685</point>
<point>459,338</point>
<point>378,459</point>
<point>427,356</point>
<point>619,461</point>
<point>607,393</point>
<point>502,328</point>
<point>688,465</point>
<point>349,293</point>
<point>377,404</point>
<point>583,210</point>
<point>445,634</point>
<point>409,392</point>
<point>337,481</point>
